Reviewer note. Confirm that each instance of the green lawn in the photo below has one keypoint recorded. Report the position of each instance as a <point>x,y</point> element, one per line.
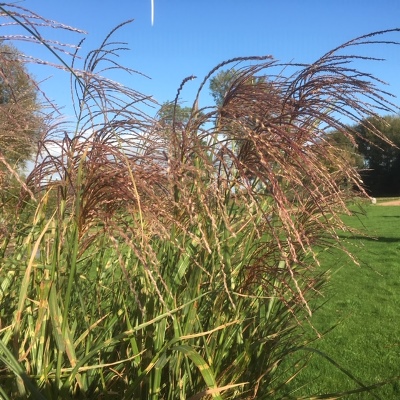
<point>365,303</point>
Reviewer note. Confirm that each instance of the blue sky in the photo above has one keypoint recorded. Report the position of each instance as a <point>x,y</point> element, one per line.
<point>189,37</point>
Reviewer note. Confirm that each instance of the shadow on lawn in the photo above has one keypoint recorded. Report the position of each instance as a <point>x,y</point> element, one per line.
<point>372,239</point>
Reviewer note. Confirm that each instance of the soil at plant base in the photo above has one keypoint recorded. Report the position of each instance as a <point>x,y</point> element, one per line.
<point>390,203</point>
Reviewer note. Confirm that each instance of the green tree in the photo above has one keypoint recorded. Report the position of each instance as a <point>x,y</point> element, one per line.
<point>19,128</point>
<point>172,125</point>
<point>381,159</point>
<point>347,148</point>
<point>19,119</point>
<point>221,83</point>
<point>166,114</point>
<point>238,95</point>
<point>225,80</point>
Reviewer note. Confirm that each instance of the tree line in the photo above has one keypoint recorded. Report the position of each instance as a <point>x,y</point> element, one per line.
<point>377,160</point>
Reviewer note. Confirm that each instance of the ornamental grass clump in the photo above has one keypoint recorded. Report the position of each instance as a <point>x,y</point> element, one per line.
<point>175,261</point>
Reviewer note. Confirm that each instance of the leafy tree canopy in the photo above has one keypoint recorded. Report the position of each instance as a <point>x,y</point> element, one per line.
<point>377,159</point>
<point>381,159</point>
<point>166,114</point>
<point>221,83</point>
<point>19,120</point>
<point>347,148</point>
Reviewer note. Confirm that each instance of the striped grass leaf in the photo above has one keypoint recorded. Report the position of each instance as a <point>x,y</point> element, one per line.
<point>203,368</point>
<point>23,381</point>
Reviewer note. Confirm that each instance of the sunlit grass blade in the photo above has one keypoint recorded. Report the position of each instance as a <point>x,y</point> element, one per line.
<point>14,365</point>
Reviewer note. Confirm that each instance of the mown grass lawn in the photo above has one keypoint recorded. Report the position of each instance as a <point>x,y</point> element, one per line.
<point>364,302</point>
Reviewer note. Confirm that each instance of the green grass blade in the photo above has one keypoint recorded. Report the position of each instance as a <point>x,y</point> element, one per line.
<point>13,364</point>
<point>202,366</point>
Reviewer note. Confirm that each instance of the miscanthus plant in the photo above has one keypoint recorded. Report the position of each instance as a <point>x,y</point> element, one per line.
<point>175,261</point>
